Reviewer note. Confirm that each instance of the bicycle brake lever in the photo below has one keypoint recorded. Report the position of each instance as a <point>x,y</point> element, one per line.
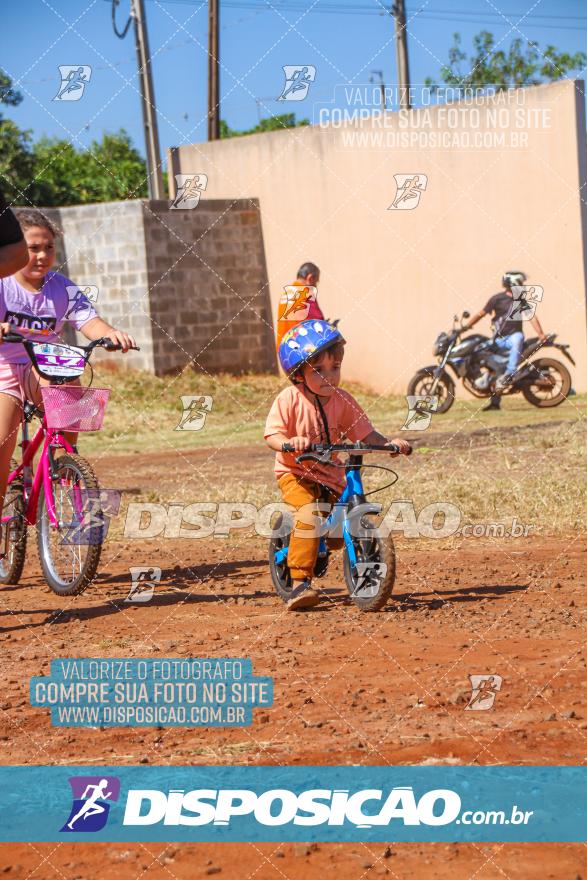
<point>324,458</point>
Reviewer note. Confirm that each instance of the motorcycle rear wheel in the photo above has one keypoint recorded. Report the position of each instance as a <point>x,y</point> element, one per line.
<point>537,393</point>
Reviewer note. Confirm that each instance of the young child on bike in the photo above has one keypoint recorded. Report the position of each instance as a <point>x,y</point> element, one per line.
<point>313,409</point>
<point>36,303</point>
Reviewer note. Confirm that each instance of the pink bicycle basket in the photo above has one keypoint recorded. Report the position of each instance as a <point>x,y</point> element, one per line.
<point>74,408</point>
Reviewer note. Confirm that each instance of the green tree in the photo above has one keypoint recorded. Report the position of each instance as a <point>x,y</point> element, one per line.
<point>16,163</point>
<point>52,172</point>
<point>57,164</point>
<point>109,170</point>
<point>520,65</point>
<point>273,123</point>
<point>17,167</point>
<point>119,169</point>
<point>8,95</point>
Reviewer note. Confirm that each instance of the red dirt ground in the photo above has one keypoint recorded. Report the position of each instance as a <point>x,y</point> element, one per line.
<point>387,688</point>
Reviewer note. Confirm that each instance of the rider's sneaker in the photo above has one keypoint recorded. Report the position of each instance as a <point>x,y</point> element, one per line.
<point>303,596</point>
<point>503,381</point>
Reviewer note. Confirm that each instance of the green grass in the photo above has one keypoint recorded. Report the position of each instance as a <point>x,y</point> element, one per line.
<point>144,410</point>
<point>522,461</point>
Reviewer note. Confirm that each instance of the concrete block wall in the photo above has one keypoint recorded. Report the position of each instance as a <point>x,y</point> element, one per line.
<point>209,299</point>
<point>190,285</point>
<point>104,245</point>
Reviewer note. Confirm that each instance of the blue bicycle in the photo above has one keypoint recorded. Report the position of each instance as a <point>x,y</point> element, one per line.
<point>369,558</point>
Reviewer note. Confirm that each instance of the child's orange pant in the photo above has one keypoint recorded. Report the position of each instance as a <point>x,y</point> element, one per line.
<point>303,549</point>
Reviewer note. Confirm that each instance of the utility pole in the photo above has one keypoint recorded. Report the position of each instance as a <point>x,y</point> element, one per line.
<point>155,177</point>
<point>379,73</point>
<point>398,10</point>
<point>213,73</point>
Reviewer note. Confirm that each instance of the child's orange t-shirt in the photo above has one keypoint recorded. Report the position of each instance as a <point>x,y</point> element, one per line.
<point>298,303</point>
<point>293,415</point>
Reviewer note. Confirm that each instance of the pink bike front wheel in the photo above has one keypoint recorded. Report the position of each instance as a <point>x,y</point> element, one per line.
<point>70,553</point>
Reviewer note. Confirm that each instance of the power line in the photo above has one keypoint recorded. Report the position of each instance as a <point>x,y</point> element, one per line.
<point>120,34</point>
<point>378,9</point>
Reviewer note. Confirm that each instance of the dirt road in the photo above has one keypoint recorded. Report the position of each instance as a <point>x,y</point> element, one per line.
<point>387,688</point>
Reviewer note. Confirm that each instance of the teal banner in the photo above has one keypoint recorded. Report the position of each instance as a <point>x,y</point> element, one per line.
<point>516,804</point>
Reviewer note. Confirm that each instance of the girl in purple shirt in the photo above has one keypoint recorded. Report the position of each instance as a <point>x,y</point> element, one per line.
<point>36,303</point>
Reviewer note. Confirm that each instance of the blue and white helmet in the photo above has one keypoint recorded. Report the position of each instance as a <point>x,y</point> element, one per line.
<point>305,341</point>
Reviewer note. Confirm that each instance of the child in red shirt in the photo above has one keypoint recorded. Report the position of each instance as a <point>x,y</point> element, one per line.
<point>313,410</point>
<point>299,301</point>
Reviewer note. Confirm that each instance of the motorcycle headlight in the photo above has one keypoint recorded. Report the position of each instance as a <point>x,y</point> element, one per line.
<point>439,346</point>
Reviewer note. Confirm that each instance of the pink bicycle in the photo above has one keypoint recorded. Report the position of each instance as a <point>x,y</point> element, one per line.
<point>62,496</point>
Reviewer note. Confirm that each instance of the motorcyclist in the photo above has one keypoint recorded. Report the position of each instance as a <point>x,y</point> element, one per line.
<point>509,334</point>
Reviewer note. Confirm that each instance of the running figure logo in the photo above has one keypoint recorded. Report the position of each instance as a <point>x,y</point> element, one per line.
<point>90,513</point>
<point>369,575</point>
<point>409,189</point>
<point>296,302</point>
<point>484,689</point>
<point>525,299</point>
<point>90,807</point>
<point>75,292</point>
<point>297,81</point>
<point>195,412</point>
<point>143,584</point>
<point>420,409</point>
<point>80,301</point>
<point>74,80</point>
<point>189,188</point>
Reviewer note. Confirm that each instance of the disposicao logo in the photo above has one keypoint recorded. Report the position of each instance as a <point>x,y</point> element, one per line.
<point>281,806</point>
<point>90,807</point>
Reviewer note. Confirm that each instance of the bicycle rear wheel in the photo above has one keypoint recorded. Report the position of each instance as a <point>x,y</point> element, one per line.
<point>14,532</point>
<point>70,554</point>
<point>280,575</point>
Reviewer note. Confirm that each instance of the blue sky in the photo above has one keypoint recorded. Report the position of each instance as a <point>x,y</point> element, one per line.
<point>257,38</point>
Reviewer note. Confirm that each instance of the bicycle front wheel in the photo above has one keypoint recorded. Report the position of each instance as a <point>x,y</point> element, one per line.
<point>370,580</point>
<point>70,552</point>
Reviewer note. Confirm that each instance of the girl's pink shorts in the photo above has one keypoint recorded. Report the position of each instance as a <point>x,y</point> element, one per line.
<point>15,380</point>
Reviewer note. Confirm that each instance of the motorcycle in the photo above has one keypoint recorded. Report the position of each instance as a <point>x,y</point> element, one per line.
<point>478,363</point>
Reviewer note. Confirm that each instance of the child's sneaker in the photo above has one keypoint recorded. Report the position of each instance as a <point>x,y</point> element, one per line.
<point>303,596</point>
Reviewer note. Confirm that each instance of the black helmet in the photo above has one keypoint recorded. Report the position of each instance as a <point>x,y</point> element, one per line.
<point>513,278</point>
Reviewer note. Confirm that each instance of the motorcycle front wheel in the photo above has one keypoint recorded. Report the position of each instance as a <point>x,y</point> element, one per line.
<point>422,384</point>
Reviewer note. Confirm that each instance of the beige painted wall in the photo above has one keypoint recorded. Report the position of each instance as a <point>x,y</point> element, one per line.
<point>395,277</point>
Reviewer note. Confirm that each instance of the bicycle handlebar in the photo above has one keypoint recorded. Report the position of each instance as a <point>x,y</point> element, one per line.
<point>104,342</point>
<point>321,451</point>
<point>12,337</point>
<point>107,343</point>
